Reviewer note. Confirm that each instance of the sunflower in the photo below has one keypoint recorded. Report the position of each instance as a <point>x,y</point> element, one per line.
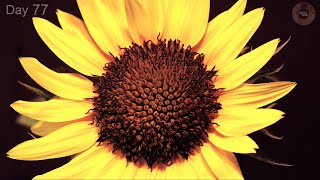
<point>160,94</point>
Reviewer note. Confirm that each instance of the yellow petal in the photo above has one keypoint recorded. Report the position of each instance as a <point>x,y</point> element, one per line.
<point>66,85</point>
<point>220,23</point>
<point>255,95</point>
<point>238,144</point>
<point>107,23</point>
<point>160,173</point>
<point>66,141</point>
<point>42,128</point>
<point>145,19</point>
<point>222,163</point>
<point>74,27</point>
<point>241,69</point>
<point>240,122</point>
<point>200,166</point>
<point>173,172</point>
<point>72,45</point>
<point>114,169</point>
<point>110,167</point>
<point>180,170</point>
<point>186,21</point>
<point>129,172</point>
<point>226,46</point>
<point>54,110</point>
<point>143,171</point>
<point>79,166</point>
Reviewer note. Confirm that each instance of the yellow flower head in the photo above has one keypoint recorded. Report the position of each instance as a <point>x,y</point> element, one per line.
<point>161,93</point>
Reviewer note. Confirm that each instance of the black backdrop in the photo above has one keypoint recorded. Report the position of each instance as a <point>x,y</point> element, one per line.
<point>18,38</point>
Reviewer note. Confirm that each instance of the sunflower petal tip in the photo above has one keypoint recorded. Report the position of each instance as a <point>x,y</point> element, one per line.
<point>11,152</point>
<point>35,20</point>
<point>38,177</point>
<point>14,104</point>
<point>294,84</point>
<point>26,59</point>
<point>59,12</point>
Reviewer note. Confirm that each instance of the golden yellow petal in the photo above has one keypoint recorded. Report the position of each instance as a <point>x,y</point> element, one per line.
<point>238,144</point>
<point>73,44</point>
<point>180,169</point>
<point>220,23</point>
<point>110,167</point>
<point>226,46</point>
<point>107,23</point>
<point>143,171</point>
<point>222,163</point>
<point>66,85</point>
<point>129,172</point>
<point>79,166</point>
<point>160,173</point>
<point>114,169</point>
<point>66,141</point>
<point>145,19</point>
<point>241,69</point>
<point>173,171</point>
<point>200,166</point>
<point>54,110</point>
<point>240,122</point>
<point>74,27</point>
<point>255,95</point>
<point>187,171</point>
<point>186,21</point>
<point>42,128</point>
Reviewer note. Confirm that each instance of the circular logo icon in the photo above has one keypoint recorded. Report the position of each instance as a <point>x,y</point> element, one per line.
<point>303,13</point>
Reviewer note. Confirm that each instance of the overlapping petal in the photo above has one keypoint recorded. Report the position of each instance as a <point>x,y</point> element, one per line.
<point>66,85</point>
<point>240,122</point>
<point>223,163</point>
<point>238,144</point>
<point>72,44</point>
<point>145,19</point>
<point>79,166</point>
<point>66,141</point>
<point>241,69</point>
<point>181,169</point>
<point>200,166</point>
<point>220,23</point>
<point>186,21</point>
<point>255,95</point>
<point>107,23</point>
<point>42,128</point>
<point>54,110</point>
<point>110,167</point>
<point>224,47</point>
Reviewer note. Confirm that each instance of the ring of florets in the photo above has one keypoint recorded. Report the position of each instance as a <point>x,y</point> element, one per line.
<point>155,102</point>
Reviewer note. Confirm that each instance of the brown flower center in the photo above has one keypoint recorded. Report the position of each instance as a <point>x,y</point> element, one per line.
<point>155,102</point>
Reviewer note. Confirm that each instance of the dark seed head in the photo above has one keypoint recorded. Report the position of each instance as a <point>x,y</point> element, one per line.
<point>157,100</point>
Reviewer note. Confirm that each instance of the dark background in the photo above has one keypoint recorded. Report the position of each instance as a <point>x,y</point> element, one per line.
<point>301,57</point>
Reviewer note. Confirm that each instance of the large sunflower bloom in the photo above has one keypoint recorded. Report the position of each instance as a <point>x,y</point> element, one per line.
<point>166,99</point>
